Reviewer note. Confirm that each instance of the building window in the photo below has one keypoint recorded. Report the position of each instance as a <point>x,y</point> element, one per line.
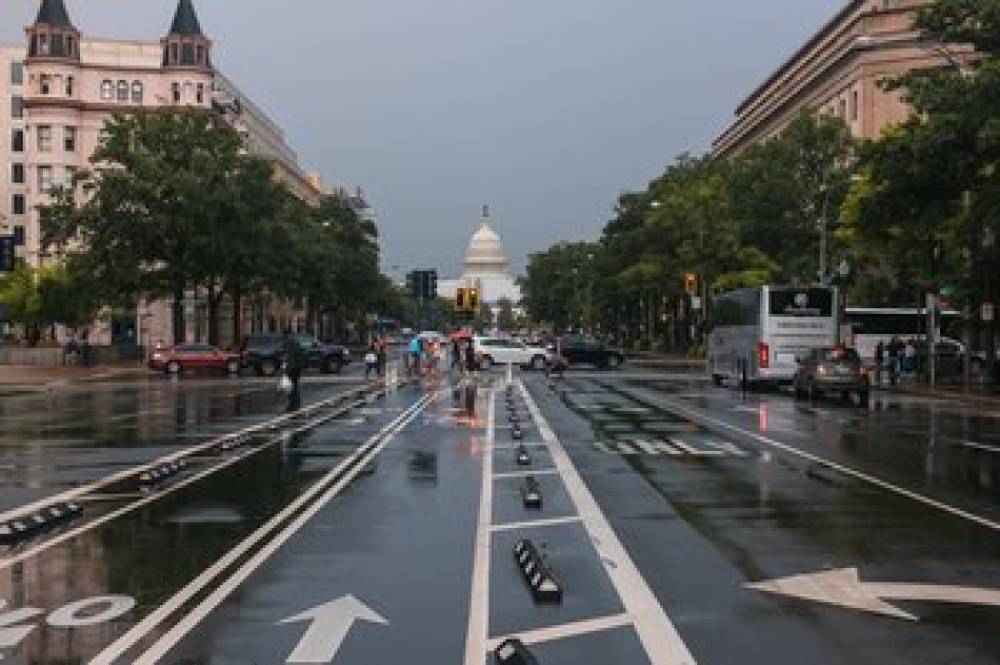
<point>69,86</point>
<point>17,140</point>
<point>123,91</point>
<point>70,45</point>
<point>201,54</point>
<point>854,105</point>
<point>17,174</point>
<point>137,92</point>
<point>44,84</point>
<point>17,106</point>
<point>44,179</point>
<point>107,90</point>
<point>187,54</point>
<point>16,73</point>
<point>69,139</point>
<point>44,138</point>
<point>201,93</point>
<point>17,205</point>
<point>173,53</point>
<point>175,91</point>
<point>69,173</point>
<point>19,235</point>
<point>842,108</point>
<point>43,44</point>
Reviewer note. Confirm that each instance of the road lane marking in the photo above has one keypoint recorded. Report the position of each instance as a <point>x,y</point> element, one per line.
<point>524,474</point>
<point>163,493</point>
<point>306,502</point>
<point>477,631</point>
<point>535,524</point>
<point>329,624</point>
<point>562,631</point>
<point>659,637</point>
<point>89,488</point>
<point>844,588</point>
<point>692,451</point>
<point>846,470</point>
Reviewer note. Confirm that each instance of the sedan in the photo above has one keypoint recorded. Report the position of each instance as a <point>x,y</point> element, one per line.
<point>832,369</point>
<point>192,357</point>
<point>502,351</point>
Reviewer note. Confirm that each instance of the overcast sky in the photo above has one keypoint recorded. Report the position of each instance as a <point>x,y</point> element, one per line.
<point>543,109</point>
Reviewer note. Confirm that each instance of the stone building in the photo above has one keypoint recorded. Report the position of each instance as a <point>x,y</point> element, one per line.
<point>485,267</point>
<point>838,72</point>
<point>57,91</point>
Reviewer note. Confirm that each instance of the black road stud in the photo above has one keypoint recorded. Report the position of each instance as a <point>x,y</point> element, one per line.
<point>531,494</point>
<point>517,433</point>
<point>523,458</point>
<point>513,652</point>
<point>544,586</point>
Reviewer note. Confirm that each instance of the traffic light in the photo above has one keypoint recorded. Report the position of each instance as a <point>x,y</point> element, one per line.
<point>691,284</point>
<point>473,300</point>
<point>460,300</point>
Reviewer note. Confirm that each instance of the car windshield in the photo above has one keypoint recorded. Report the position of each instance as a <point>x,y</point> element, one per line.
<point>839,354</point>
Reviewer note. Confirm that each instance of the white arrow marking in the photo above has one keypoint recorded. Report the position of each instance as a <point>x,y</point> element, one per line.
<point>329,625</point>
<point>844,588</point>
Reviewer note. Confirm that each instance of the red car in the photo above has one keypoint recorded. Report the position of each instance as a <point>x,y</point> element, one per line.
<point>189,357</point>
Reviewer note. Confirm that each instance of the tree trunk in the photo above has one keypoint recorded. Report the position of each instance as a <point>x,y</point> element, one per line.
<point>180,334</point>
<point>237,315</point>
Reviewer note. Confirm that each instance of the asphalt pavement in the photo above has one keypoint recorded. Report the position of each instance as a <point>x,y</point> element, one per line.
<point>676,523</point>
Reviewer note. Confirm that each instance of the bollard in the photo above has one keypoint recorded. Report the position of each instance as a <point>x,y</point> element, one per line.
<point>513,652</point>
<point>544,586</point>
<point>531,494</point>
<point>523,458</point>
<point>517,433</point>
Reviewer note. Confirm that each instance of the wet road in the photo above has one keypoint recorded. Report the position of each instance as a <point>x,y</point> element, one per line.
<point>681,523</point>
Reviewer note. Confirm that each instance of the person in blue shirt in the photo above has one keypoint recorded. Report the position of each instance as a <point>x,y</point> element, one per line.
<point>416,352</point>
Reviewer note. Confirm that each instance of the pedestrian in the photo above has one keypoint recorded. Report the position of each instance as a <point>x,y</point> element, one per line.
<point>371,361</point>
<point>895,359</point>
<point>85,353</point>
<point>879,361</point>
<point>416,353</point>
<point>72,353</point>
<point>294,362</point>
<point>456,354</point>
<point>910,358</point>
<point>381,355</point>
<point>470,358</point>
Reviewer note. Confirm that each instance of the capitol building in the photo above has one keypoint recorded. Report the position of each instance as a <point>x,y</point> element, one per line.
<point>485,267</point>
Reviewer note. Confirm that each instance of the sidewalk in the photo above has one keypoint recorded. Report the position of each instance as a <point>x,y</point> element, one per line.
<point>985,394</point>
<point>26,379</point>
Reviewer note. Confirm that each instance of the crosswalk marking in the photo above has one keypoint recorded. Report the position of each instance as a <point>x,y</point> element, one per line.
<point>673,448</point>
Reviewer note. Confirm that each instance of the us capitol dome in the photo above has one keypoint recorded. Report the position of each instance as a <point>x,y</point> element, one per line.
<point>485,266</point>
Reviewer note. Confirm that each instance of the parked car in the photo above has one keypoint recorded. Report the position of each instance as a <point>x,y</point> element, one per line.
<point>192,357</point>
<point>501,351</point>
<point>265,353</point>
<point>582,349</point>
<point>832,369</point>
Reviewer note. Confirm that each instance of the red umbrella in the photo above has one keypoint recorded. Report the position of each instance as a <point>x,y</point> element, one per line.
<point>460,335</point>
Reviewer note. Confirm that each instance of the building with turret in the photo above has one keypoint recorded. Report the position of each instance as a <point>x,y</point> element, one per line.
<point>59,88</point>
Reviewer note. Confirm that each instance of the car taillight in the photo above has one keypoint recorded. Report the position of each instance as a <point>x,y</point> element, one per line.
<point>763,355</point>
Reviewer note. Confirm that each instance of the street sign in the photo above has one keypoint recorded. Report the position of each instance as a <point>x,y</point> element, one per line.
<point>328,626</point>
<point>696,303</point>
<point>988,311</point>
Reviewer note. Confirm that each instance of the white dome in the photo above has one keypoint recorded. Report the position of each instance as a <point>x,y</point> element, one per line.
<point>485,255</point>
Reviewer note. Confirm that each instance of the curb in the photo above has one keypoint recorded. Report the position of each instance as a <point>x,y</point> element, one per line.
<point>942,394</point>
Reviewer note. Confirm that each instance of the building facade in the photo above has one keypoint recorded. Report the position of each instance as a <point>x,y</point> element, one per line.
<point>56,93</point>
<point>838,72</point>
<point>485,267</point>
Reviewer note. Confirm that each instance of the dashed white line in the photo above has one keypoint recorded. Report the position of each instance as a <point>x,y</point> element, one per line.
<point>562,631</point>
<point>535,524</point>
<point>524,474</point>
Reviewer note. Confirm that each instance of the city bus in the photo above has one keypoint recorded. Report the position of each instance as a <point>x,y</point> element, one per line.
<point>871,325</point>
<point>763,331</point>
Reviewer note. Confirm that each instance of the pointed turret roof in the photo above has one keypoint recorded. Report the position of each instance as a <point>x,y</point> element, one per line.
<point>53,12</point>
<point>185,20</point>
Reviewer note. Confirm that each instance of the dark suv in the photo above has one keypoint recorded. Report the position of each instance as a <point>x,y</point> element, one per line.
<point>581,349</point>
<point>265,353</point>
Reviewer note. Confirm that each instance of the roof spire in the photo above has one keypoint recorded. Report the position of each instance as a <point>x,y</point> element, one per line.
<point>185,20</point>
<point>53,12</point>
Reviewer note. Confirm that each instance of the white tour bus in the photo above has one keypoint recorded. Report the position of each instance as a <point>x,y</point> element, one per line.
<point>870,325</point>
<point>765,330</point>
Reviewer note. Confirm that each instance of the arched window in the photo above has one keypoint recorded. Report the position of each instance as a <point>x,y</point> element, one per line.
<point>137,92</point>
<point>107,90</point>
<point>123,91</point>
